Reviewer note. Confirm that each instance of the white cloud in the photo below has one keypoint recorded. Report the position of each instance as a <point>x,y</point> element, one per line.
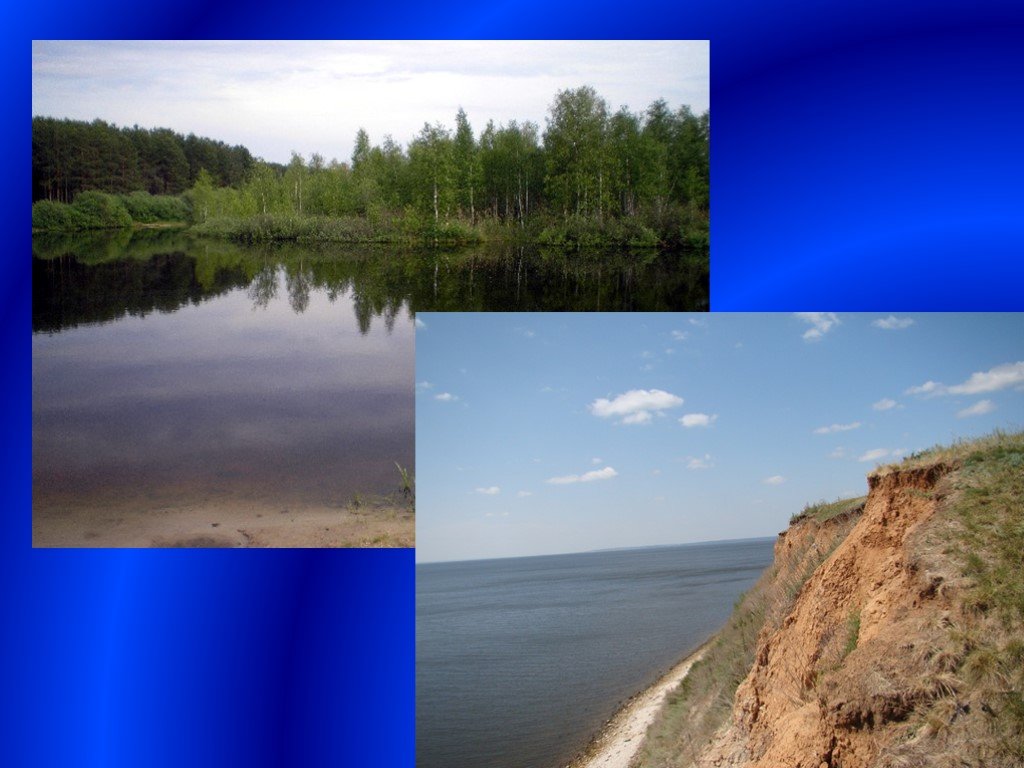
<point>698,420</point>
<point>446,397</point>
<point>595,461</point>
<point>635,406</point>
<point>420,323</point>
<point>598,474</point>
<point>491,491</point>
<point>893,323</point>
<point>641,417</point>
<point>774,480</point>
<point>980,408</point>
<point>655,472</point>
<point>698,462</point>
<point>524,494</point>
<point>838,453</point>
<point>699,322</point>
<point>833,428</point>
<point>885,404</point>
<point>928,388</point>
<point>994,379</point>
<point>821,323</point>
<point>424,385</point>
<point>875,454</point>
<point>680,335</point>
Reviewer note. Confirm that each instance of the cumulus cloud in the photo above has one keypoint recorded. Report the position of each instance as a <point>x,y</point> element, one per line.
<point>928,388</point>
<point>885,404</point>
<point>893,323</point>
<point>640,417</point>
<point>876,454</point>
<point>698,420</point>
<point>820,322</point>
<point>774,480</point>
<point>424,385</point>
<point>420,323</point>
<point>635,406</point>
<point>446,397</point>
<point>838,453</point>
<point>491,491</point>
<point>699,462</point>
<point>680,335</point>
<point>980,408</point>
<point>833,428</point>
<point>524,494</point>
<point>595,461</point>
<point>598,474</point>
<point>994,379</point>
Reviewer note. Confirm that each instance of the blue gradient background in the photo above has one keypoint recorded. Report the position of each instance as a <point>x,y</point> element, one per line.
<point>865,155</point>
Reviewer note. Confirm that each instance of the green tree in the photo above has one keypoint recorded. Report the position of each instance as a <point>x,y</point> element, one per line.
<point>294,180</point>
<point>202,196</point>
<point>467,164</point>
<point>265,190</point>
<point>431,166</point>
<point>574,144</point>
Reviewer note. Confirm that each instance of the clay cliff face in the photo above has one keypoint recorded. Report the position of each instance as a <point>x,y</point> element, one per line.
<point>857,650</point>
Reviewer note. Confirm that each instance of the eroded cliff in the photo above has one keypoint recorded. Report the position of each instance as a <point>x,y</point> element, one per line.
<point>903,646</point>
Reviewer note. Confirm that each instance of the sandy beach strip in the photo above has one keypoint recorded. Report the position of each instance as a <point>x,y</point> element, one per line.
<point>621,738</point>
<point>224,523</point>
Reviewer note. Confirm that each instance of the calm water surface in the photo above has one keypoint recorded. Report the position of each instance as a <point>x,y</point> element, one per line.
<point>520,661</point>
<point>166,371</point>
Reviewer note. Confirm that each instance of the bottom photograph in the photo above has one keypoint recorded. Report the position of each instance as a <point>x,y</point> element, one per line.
<point>719,540</point>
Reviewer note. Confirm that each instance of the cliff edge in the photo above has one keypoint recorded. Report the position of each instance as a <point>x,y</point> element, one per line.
<point>889,631</point>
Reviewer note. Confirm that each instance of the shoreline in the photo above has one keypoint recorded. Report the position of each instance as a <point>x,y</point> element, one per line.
<point>620,738</point>
<point>227,523</point>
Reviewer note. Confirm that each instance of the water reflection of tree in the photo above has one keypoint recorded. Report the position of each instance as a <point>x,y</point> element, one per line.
<point>93,279</point>
<point>298,279</point>
<point>263,288</point>
<point>96,279</point>
<point>528,279</point>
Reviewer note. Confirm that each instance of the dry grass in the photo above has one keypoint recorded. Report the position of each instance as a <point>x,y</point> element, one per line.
<point>974,715</point>
<point>824,510</point>
<point>703,701</point>
<point>964,687</point>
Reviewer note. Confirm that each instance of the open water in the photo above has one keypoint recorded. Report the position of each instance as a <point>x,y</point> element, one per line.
<point>520,661</point>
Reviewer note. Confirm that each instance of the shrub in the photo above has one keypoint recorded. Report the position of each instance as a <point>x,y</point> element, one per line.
<point>148,209</point>
<point>101,211</point>
<point>51,216</point>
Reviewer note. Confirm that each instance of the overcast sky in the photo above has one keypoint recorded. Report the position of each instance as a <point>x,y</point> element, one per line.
<point>276,97</point>
<point>544,433</point>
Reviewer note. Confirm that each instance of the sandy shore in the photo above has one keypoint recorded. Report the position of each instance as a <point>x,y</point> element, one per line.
<point>621,738</point>
<point>225,523</point>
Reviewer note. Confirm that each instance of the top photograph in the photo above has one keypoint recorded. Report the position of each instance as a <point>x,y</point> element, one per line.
<point>452,176</point>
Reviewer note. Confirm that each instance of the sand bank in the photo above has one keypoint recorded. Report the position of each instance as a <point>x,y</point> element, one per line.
<point>225,523</point>
<point>622,736</point>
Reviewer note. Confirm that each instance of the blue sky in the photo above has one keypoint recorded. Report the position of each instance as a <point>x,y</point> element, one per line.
<point>312,96</point>
<point>543,433</point>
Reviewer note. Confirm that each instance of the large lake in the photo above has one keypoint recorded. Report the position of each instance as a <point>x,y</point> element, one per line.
<point>169,372</point>
<point>520,661</point>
